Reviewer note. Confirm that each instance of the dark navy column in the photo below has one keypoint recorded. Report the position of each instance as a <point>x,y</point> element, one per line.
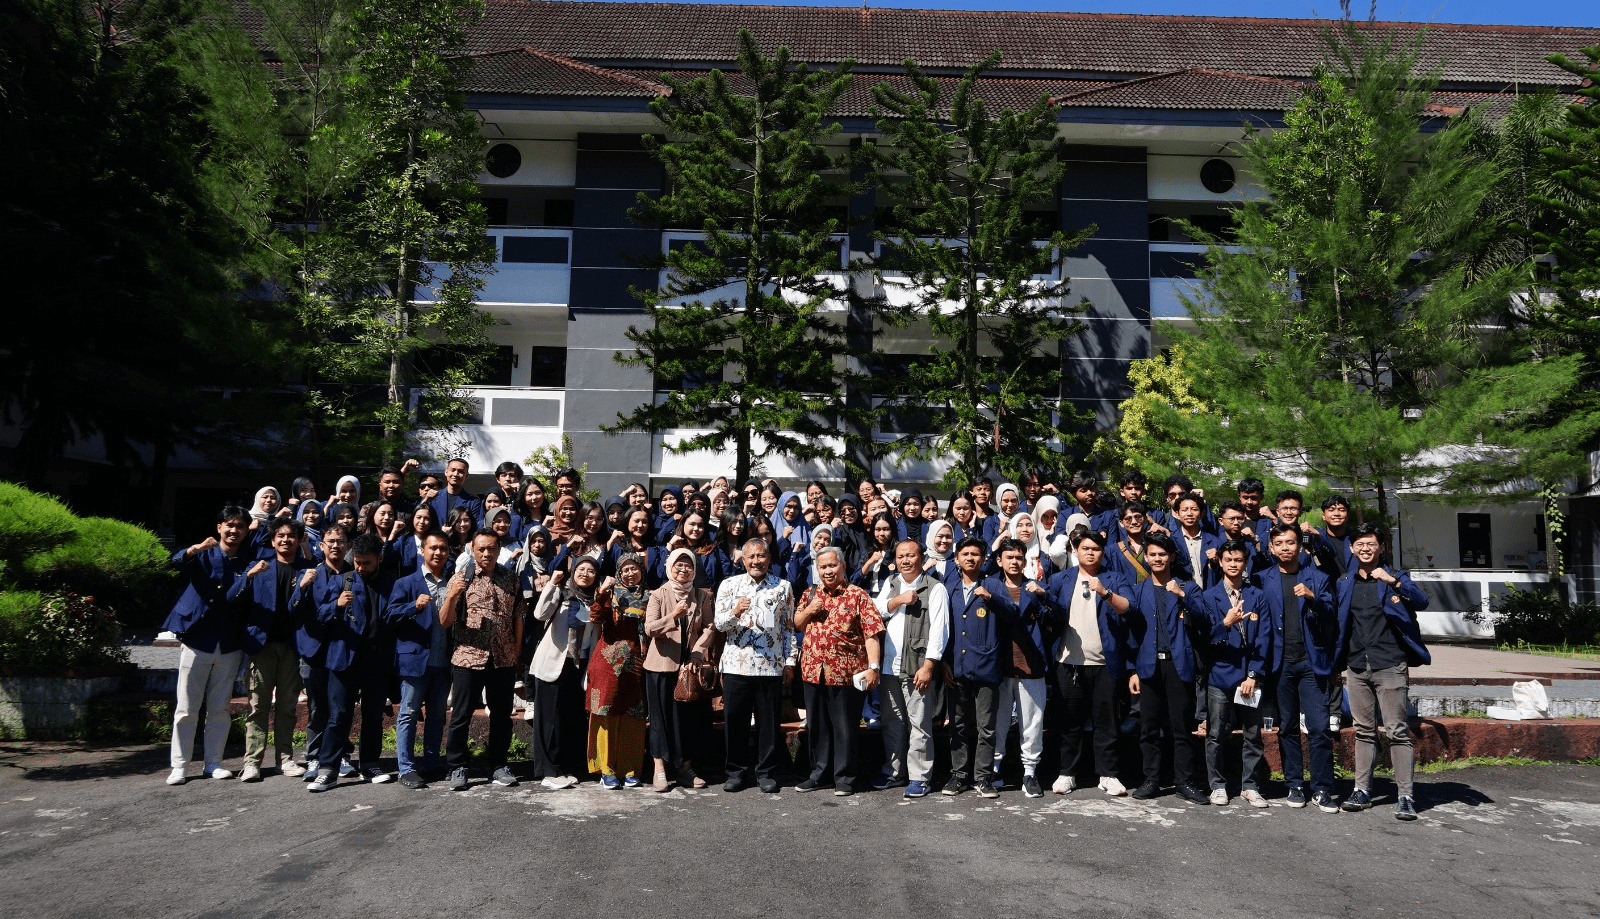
<point>606,245</point>
<point>1107,186</point>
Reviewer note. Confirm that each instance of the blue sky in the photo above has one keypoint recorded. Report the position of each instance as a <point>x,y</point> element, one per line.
<point>1527,12</point>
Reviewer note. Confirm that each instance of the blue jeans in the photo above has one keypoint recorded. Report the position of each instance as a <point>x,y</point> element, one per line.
<point>1302,692</point>
<point>430,691</point>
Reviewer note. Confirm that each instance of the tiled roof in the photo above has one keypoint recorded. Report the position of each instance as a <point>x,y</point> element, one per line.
<point>1087,44</point>
<point>857,101</point>
<point>1191,88</point>
<point>529,71</point>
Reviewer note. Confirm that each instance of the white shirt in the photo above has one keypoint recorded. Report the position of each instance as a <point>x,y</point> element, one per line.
<point>894,638</point>
<point>761,640</point>
<point>1195,560</point>
<point>1081,645</point>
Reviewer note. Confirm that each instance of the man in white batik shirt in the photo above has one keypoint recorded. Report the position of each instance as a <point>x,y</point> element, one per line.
<point>755,612</point>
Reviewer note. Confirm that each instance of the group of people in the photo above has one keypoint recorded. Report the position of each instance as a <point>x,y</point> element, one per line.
<point>1010,605</point>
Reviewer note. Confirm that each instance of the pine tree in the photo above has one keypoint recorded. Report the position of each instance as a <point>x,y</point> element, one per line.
<point>125,298</point>
<point>1350,338</point>
<point>965,179</point>
<point>747,165</point>
<point>354,168</point>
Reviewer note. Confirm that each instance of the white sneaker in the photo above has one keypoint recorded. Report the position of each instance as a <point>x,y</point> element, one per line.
<point>292,769</point>
<point>1113,787</point>
<point>1253,798</point>
<point>558,781</point>
<point>218,772</point>
<point>1065,785</point>
<point>177,776</point>
<point>310,775</point>
<point>250,773</point>
<point>1219,797</point>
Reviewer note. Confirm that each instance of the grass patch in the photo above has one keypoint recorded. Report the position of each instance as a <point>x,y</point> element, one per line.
<point>1467,762</point>
<point>1577,652</point>
<point>1473,713</point>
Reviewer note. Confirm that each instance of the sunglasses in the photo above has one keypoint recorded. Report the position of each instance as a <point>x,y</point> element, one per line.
<point>428,486</point>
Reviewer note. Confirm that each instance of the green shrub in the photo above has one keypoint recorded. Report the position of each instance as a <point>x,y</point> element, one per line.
<point>1536,618</point>
<point>122,566</point>
<point>30,523</point>
<point>60,631</point>
<point>43,547</point>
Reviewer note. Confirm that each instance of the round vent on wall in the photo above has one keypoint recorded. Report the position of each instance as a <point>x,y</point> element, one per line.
<point>1217,176</point>
<point>503,161</point>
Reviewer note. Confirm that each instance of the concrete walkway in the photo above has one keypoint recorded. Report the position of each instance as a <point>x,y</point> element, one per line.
<point>1455,664</point>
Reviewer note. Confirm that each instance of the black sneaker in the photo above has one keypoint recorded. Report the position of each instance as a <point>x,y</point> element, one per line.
<point>1325,803</point>
<point>458,779</point>
<point>412,780</point>
<point>987,790</point>
<point>769,786</point>
<point>954,787</point>
<point>1406,809</point>
<point>1193,795</point>
<point>733,785</point>
<point>1030,787</point>
<point>811,784</point>
<point>1359,800</point>
<point>1297,797</point>
<point>1146,791</point>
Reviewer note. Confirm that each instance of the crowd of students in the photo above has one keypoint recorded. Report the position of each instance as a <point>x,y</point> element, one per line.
<point>618,621</point>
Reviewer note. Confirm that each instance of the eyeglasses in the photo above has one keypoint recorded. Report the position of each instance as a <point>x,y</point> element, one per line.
<point>1086,590</point>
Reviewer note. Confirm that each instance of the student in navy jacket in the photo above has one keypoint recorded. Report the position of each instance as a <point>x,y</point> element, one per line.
<point>309,638</point>
<point>267,591</point>
<point>1241,652</point>
<point>455,494</point>
<point>1125,555</point>
<point>1305,632</point>
<point>973,670</point>
<point>1020,600</point>
<point>422,660</point>
<point>1380,641</point>
<point>208,624</point>
<point>1330,543</point>
<point>1195,544</point>
<point>1090,603</point>
<point>359,650</point>
<point>1164,616</point>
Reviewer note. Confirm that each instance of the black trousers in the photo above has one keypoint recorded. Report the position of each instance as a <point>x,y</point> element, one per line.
<point>972,717</point>
<point>1088,697</point>
<point>552,710</point>
<point>832,715</point>
<point>1166,700</point>
<point>362,684</point>
<point>678,730</point>
<point>466,685</point>
<point>743,696</point>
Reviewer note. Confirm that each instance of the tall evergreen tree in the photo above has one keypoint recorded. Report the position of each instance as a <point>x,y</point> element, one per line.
<point>987,279</point>
<point>743,319</point>
<point>354,165</point>
<point>1349,337</point>
<point>124,294</point>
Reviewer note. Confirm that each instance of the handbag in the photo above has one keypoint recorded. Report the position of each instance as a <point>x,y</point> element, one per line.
<point>696,679</point>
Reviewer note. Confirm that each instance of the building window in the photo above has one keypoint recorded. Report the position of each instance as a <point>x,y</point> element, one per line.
<point>548,367</point>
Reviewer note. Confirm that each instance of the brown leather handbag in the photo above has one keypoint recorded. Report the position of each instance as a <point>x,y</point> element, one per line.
<point>696,679</point>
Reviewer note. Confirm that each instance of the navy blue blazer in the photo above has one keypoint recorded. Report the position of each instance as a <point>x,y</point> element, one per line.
<point>1181,566</point>
<point>1319,623</point>
<point>976,636</point>
<point>1332,553</point>
<point>1026,620</point>
<point>1113,625</point>
<point>403,551</point>
<point>441,503</point>
<point>1234,656</point>
<point>342,627</point>
<point>1185,618</point>
<point>204,618</point>
<point>1400,604</point>
<point>412,628</point>
<point>258,597</point>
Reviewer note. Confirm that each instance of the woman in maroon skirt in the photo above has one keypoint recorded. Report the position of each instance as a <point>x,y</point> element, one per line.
<point>616,679</point>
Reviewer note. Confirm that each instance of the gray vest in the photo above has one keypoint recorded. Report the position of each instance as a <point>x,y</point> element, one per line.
<point>915,649</point>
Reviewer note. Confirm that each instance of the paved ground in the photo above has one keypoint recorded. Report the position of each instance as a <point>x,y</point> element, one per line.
<point>1471,662</point>
<point>98,834</point>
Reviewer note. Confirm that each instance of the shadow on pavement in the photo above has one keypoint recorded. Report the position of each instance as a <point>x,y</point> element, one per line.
<point>73,762</point>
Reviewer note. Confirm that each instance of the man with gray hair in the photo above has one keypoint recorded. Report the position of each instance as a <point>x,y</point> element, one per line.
<point>916,615</point>
<point>755,612</point>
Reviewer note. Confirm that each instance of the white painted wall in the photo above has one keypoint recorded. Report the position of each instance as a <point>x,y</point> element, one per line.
<point>544,162</point>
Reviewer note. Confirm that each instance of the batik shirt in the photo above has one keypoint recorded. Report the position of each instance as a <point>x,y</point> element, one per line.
<point>761,640</point>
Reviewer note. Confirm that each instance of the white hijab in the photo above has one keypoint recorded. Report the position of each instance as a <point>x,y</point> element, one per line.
<point>1053,546</point>
<point>256,510</point>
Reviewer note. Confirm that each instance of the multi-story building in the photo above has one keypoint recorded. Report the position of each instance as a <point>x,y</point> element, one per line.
<point>1152,106</point>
